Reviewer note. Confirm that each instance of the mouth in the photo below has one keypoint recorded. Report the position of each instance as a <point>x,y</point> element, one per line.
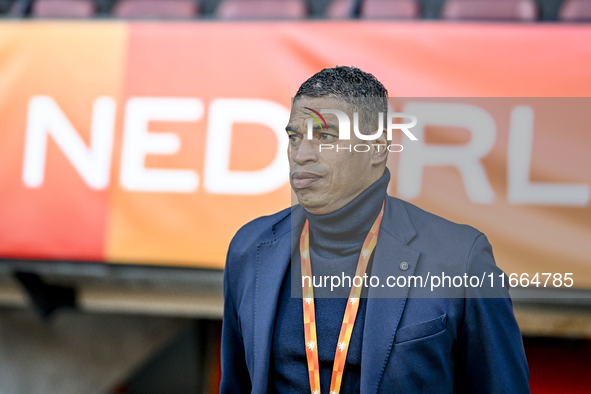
<point>302,180</point>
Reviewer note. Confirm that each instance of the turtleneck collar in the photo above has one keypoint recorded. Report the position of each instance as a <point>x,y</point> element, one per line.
<point>344,230</point>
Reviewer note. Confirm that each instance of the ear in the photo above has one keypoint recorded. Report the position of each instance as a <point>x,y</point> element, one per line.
<point>379,151</point>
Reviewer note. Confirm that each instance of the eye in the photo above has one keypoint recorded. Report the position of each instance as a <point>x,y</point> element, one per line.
<point>325,136</point>
<point>293,137</point>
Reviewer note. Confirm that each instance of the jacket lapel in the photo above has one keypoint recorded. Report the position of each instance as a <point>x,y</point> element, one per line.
<point>273,260</point>
<point>385,305</point>
<point>382,314</point>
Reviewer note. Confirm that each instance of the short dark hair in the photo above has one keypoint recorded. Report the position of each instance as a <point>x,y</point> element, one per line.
<point>358,88</point>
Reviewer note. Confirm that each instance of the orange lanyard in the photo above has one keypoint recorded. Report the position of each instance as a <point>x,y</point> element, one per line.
<point>350,311</point>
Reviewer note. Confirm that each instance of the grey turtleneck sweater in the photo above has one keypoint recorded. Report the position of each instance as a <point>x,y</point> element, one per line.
<point>335,244</point>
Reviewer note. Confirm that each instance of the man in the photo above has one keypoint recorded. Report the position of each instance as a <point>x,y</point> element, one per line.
<point>281,335</point>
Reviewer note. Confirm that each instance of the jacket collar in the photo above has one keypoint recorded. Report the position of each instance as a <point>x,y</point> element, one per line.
<point>396,222</point>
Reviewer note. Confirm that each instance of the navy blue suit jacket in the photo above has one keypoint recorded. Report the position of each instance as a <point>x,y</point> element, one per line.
<point>410,344</point>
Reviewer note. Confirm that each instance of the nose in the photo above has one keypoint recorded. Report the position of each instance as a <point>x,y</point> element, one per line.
<point>305,152</point>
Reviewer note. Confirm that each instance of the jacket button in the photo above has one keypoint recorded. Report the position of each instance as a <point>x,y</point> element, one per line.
<point>403,265</point>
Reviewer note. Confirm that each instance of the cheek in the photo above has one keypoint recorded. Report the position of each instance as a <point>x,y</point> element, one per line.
<point>355,168</point>
<point>344,170</point>
<point>291,153</point>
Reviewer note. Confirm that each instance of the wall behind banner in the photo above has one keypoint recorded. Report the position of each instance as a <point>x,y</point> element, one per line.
<point>153,143</point>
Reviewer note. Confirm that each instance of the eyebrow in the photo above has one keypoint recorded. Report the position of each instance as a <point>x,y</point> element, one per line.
<point>315,127</point>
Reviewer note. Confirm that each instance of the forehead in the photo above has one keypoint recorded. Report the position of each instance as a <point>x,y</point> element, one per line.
<point>316,103</point>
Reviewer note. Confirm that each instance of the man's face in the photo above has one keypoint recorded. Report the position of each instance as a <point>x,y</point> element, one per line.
<point>327,180</point>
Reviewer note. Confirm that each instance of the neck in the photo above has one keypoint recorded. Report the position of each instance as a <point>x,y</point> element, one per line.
<point>344,230</point>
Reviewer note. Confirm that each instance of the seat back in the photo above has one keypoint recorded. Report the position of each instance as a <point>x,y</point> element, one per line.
<point>340,9</point>
<point>389,9</point>
<point>510,10</point>
<point>159,9</point>
<point>575,11</point>
<point>262,9</point>
<point>63,9</point>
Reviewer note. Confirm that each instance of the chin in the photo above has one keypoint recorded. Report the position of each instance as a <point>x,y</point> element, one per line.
<point>308,201</point>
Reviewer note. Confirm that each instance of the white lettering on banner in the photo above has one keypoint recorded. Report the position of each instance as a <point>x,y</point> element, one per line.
<point>223,113</point>
<point>138,142</point>
<point>45,118</point>
<point>93,162</point>
<point>520,189</point>
<point>466,158</point>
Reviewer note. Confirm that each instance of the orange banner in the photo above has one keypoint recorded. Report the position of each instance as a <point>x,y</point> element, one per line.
<point>152,143</point>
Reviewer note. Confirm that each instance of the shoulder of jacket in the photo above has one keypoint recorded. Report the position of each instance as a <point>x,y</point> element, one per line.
<point>257,231</point>
<point>427,222</point>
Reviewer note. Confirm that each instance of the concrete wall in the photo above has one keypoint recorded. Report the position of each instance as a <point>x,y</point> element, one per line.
<point>76,352</point>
